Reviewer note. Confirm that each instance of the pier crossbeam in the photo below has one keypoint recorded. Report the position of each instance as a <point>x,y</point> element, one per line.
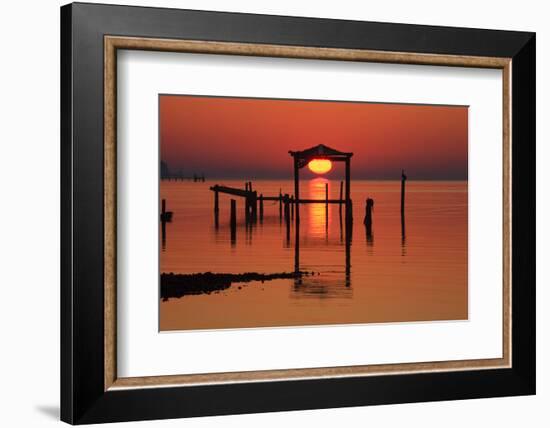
<point>232,191</point>
<point>248,194</point>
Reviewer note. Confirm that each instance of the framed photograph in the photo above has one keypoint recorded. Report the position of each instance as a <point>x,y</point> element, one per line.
<point>265,213</point>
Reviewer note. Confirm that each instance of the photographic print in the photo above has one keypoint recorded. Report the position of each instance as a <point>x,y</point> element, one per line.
<point>287,212</point>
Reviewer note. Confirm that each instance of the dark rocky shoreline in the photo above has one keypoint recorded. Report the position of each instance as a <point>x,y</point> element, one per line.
<point>179,285</point>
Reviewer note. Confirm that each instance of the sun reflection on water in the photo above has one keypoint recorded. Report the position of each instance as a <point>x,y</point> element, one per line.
<point>318,215</point>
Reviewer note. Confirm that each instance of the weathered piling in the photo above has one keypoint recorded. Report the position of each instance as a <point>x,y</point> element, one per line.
<point>254,205</point>
<point>369,207</point>
<point>297,191</point>
<point>286,205</point>
<point>165,216</point>
<point>233,221</point>
<point>261,207</point>
<point>246,208</point>
<point>326,206</point>
<point>163,234</point>
<point>216,208</point>
<point>403,179</point>
<point>349,206</point>
<point>349,235</point>
<point>341,226</point>
<point>292,202</point>
<point>280,204</point>
<point>163,219</point>
<point>341,199</point>
<point>286,200</point>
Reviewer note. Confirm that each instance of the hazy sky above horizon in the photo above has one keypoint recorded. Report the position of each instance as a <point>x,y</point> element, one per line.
<point>250,138</point>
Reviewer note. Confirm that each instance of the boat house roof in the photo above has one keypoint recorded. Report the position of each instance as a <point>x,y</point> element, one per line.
<point>319,151</point>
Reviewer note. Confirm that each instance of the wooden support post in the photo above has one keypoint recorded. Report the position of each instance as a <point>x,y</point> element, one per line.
<point>286,203</point>
<point>326,206</point>
<point>233,221</point>
<point>292,201</point>
<point>163,223</point>
<point>246,209</point>
<point>287,216</point>
<point>369,207</point>
<point>297,190</point>
<point>163,234</point>
<point>254,205</point>
<point>349,209</point>
<point>261,207</point>
<point>165,216</point>
<point>349,232</point>
<point>216,209</point>
<point>341,197</point>
<point>280,205</point>
<point>403,179</point>
<point>349,235</point>
<point>297,216</point>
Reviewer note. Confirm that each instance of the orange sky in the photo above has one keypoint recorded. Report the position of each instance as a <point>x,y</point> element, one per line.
<point>250,138</point>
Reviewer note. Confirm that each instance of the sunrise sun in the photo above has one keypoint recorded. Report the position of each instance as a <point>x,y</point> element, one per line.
<point>320,166</point>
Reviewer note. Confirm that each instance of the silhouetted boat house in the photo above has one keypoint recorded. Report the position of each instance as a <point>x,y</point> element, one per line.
<point>302,158</point>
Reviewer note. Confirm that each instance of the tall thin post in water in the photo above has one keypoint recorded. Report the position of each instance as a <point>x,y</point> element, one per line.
<point>297,218</point>
<point>403,179</point>
<point>280,205</point>
<point>349,210</point>
<point>369,207</point>
<point>233,221</point>
<point>254,205</point>
<point>216,208</point>
<point>348,221</point>
<point>287,217</point>
<point>261,207</point>
<point>246,209</point>
<point>163,223</point>
<point>163,234</point>
<point>341,197</point>
<point>349,234</point>
<point>326,206</point>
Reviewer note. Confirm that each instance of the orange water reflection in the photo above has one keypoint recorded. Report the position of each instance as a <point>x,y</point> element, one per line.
<point>319,214</point>
<point>390,279</point>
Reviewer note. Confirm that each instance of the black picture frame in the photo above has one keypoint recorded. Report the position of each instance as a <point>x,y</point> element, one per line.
<point>83,398</point>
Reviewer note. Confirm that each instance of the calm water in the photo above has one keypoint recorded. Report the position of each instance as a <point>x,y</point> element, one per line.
<point>392,278</point>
